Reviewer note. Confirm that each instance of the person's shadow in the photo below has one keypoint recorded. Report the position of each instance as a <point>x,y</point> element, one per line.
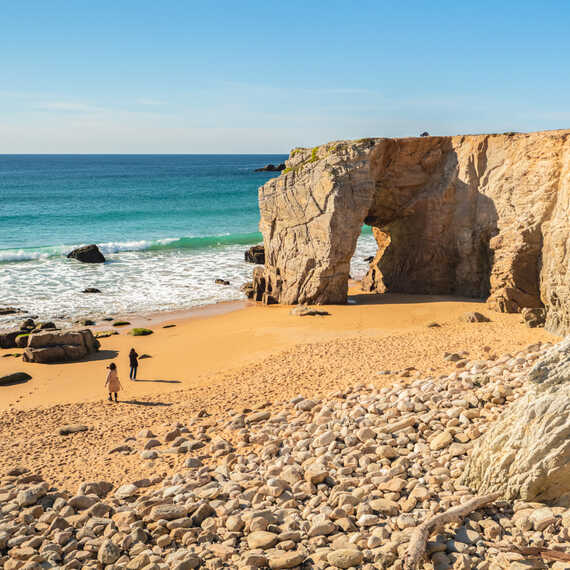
<point>141,403</point>
<point>162,381</point>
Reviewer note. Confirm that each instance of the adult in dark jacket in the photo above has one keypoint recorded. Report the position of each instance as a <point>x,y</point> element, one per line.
<point>134,362</point>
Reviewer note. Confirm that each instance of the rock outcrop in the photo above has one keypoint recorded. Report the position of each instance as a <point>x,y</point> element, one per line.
<point>60,346</point>
<point>255,254</point>
<point>87,254</point>
<point>484,216</point>
<point>526,454</point>
<point>271,168</point>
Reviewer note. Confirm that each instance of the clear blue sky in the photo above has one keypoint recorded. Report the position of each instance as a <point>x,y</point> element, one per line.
<point>221,76</point>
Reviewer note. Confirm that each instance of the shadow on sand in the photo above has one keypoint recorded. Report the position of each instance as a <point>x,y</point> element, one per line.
<point>142,403</point>
<point>406,299</point>
<point>94,356</point>
<point>163,381</point>
<point>102,355</point>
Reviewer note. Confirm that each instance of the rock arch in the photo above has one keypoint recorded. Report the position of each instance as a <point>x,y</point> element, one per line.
<point>478,216</point>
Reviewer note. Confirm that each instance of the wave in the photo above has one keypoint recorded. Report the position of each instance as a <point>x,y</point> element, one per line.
<point>186,243</point>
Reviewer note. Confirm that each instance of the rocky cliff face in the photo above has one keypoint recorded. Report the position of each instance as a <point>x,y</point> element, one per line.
<point>526,454</point>
<point>479,216</point>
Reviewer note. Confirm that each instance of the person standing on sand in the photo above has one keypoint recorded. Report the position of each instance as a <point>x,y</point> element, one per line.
<point>112,382</point>
<point>134,362</point>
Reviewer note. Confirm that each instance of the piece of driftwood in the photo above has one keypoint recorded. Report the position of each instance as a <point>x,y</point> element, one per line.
<point>421,534</point>
<point>547,554</point>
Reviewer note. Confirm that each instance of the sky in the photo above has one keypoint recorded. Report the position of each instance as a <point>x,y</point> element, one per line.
<point>249,76</point>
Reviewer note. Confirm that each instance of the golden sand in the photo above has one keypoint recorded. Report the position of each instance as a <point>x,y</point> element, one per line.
<point>231,360</point>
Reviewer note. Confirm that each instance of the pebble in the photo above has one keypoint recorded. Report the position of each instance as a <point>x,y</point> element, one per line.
<point>340,481</point>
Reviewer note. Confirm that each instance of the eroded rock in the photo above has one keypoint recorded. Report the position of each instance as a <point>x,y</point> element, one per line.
<point>450,215</point>
<point>526,453</point>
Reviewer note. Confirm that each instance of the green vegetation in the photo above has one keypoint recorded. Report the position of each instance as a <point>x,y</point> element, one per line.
<point>314,154</point>
<point>287,170</point>
<point>121,323</point>
<point>140,332</point>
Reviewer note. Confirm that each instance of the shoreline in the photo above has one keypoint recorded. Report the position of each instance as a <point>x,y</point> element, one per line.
<point>209,342</point>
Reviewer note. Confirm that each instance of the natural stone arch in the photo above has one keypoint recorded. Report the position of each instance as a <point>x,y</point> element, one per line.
<point>475,216</point>
<point>432,225</point>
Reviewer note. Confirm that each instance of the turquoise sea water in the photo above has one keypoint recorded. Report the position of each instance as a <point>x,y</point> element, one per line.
<point>168,225</point>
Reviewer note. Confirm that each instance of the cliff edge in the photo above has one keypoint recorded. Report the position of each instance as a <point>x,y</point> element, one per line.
<point>484,216</point>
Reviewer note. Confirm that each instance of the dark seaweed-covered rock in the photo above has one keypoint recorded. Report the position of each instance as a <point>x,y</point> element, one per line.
<point>140,332</point>
<point>8,338</point>
<point>15,378</point>
<point>9,310</point>
<point>255,254</point>
<point>91,290</point>
<point>87,254</point>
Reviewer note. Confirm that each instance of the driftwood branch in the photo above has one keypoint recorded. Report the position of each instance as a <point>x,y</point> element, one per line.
<point>421,534</point>
<point>546,554</point>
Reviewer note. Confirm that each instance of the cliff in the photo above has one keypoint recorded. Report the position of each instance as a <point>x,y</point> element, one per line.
<point>479,216</point>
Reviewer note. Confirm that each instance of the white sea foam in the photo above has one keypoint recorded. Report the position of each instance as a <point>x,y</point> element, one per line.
<point>137,280</point>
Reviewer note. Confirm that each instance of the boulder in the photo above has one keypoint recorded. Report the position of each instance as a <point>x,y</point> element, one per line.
<point>9,310</point>
<point>247,289</point>
<point>526,453</point>
<point>91,290</point>
<point>8,338</point>
<point>87,254</point>
<point>22,340</point>
<point>533,318</point>
<point>72,428</point>
<point>221,282</point>
<point>474,317</point>
<point>255,254</point>
<point>139,331</point>
<point>304,311</point>
<point>61,346</point>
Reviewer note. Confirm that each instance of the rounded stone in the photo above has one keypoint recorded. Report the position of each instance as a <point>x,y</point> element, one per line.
<point>345,558</point>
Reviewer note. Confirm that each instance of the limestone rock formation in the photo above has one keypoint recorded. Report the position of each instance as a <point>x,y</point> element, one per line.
<point>526,453</point>
<point>60,346</point>
<point>87,254</point>
<point>484,216</point>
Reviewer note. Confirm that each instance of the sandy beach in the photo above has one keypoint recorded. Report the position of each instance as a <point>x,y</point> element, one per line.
<point>239,357</point>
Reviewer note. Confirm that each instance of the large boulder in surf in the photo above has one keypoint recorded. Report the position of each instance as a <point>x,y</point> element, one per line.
<point>255,254</point>
<point>526,453</point>
<point>87,254</point>
<point>64,346</point>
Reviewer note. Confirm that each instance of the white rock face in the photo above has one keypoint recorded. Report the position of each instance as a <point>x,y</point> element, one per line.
<point>526,453</point>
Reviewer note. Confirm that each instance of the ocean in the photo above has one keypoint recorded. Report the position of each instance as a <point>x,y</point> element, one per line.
<point>168,226</point>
